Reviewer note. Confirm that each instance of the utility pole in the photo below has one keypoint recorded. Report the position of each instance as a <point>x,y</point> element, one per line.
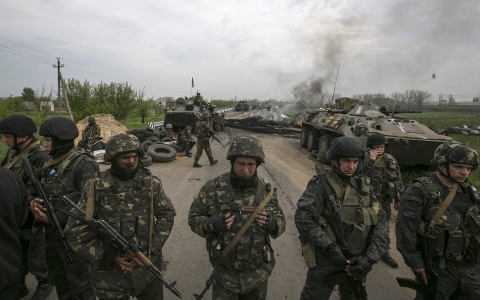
<point>58,66</point>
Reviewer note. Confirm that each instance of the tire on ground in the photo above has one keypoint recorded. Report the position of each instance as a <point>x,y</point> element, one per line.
<point>303,136</point>
<point>152,138</point>
<point>146,161</point>
<point>162,153</point>
<point>145,145</point>
<point>147,132</point>
<point>166,139</point>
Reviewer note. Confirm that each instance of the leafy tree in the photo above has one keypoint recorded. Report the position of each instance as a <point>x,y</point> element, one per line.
<point>475,99</point>
<point>28,95</point>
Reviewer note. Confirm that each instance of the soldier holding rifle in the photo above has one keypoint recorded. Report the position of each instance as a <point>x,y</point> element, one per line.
<point>440,216</point>
<point>342,227</point>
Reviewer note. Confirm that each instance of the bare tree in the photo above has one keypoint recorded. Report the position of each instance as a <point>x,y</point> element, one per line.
<point>420,97</point>
<point>409,97</point>
<point>397,97</point>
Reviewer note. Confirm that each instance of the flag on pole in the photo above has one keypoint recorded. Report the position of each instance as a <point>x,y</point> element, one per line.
<point>193,85</point>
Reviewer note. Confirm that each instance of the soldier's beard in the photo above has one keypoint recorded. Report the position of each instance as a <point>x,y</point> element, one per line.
<point>124,171</point>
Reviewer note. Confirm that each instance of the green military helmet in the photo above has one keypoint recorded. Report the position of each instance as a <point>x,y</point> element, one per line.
<point>345,146</point>
<point>188,128</point>
<point>122,143</point>
<point>246,146</point>
<point>91,119</point>
<point>377,139</point>
<point>455,152</point>
<point>206,115</point>
<point>168,126</point>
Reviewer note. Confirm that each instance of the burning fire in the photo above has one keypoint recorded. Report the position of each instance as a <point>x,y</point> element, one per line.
<point>297,124</point>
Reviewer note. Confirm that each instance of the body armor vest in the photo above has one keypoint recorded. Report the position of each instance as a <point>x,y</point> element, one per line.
<point>455,236</point>
<point>202,129</point>
<point>385,178</point>
<point>254,249</point>
<point>17,167</point>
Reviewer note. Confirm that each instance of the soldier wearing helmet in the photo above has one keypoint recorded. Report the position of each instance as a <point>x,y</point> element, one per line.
<point>216,214</point>
<point>342,227</point>
<point>64,173</point>
<point>90,135</point>
<point>124,196</point>
<point>204,132</point>
<point>169,132</point>
<point>185,141</point>
<point>386,180</point>
<point>18,134</point>
<point>426,207</point>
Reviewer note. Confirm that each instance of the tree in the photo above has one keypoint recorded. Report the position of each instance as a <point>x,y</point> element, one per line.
<point>28,94</point>
<point>409,97</point>
<point>420,97</point>
<point>475,99</point>
<point>397,97</point>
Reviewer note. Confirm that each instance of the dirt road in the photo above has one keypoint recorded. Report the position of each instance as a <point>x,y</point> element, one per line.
<point>289,168</point>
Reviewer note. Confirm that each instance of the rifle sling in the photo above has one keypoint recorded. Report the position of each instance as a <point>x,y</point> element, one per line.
<point>55,161</point>
<point>377,161</point>
<point>23,154</point>
<point>444,205</point>
<point>242,231</point>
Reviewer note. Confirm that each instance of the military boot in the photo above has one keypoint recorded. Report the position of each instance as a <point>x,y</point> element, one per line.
<point>188,154</point>
<point>389,260</point>
<point>44,288</point>
<point>196,164</point>
<point>213,161</point>
<point>23,289</point>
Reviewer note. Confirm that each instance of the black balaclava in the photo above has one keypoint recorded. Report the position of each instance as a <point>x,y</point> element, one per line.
<point>124,172</point>
<point>60,147</point>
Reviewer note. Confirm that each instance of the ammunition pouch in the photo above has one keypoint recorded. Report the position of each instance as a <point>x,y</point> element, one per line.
<point>473,250</point>
<point>308,252</point>
<point>357,237</point>
<point>214,248</point>
<point>472,224</point>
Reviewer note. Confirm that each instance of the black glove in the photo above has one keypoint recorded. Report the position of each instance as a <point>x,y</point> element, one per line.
<point>217,222</point>
<point>270,223</point>
<point>335,255</point>
<point>360,266</point>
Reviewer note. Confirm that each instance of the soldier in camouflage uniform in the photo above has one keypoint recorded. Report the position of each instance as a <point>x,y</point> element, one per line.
<point>386,180</point>
<point>185,141</point>
<point>90,135</point>
<point>204,132</point>
<point>456,257</point>
<point>64,173</point>
<point>18,134</point>
<point>366,233</point>
<point>244,272</point>
<point>169,132</point>
<point>123,196</point>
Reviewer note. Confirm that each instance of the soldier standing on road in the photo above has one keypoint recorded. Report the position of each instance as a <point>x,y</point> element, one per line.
<point>90,135</point>
<point>456,257</point>
<point>386,181</point>
<point>169,132</point>
<point>243,273</point>
<point>349,200</point>
<point>185,141</point>
<point>204,132</point>
<point>123,196</point>
<point>18,134</point>
<point>64,173</point>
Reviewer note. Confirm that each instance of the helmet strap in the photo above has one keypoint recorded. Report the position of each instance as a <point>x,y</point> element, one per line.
<point>447,167</point>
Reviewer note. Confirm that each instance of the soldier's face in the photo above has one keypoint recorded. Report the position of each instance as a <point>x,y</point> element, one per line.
<point>347,165</point>
<point>380,148</point>
<point>8,139</point>
<point>128,158</point>
<point>188,131</point>
<point>459,172</point>
<point>245,167</point>
<point>47,143</point>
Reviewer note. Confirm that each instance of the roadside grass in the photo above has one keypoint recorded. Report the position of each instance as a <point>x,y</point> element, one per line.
<point>136,122</point>
<point>443,119</point>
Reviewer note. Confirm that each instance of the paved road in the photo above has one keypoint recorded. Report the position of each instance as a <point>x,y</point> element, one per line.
<point>289,168</point>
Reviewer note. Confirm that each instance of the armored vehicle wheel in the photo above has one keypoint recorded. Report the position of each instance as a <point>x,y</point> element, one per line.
<point>303,137</point>
<point>146,161</point>
<point>312,140</point>
<point>162,153</point>
<point>324,145</point>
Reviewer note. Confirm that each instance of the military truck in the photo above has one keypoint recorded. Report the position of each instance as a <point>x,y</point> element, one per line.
<point>410,142</point>
<point>187,111</point>
<point>242,106</point>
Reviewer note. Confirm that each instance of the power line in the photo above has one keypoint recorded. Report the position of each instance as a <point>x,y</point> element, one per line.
<point>24,53</point>
<point>25,57</point>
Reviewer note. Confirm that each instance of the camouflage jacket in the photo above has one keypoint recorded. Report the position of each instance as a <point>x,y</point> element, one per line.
<point>386,179</point>
<point>125,205</point>
<point>252,257</point>
<point>91,133</point>
<point>310,208</point>
<point>203,130</point>
<point>169,133</point>
<point>418,205</point>
<point>184,138</point>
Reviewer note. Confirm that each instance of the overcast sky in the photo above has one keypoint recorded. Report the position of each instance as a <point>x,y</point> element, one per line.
<point>248,49</point>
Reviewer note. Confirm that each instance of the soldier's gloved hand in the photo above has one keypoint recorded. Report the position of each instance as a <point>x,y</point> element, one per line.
<point>360,266</point>
<point>217,223</point>
<point>266,220</point>
<point>335,255</point>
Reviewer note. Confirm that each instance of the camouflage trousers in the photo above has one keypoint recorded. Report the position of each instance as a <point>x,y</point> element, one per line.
<point>186,147</point>
<point>221,293</point>
<point>386,204</point>
<point>153,291</point>
<point>70,281</point>
<point>201,145</point>
<point>34,259</point>
<point>315,287</point>
<point>456,281</point>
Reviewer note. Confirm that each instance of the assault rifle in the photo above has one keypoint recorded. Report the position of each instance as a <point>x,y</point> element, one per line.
<point>52,217</point>
<point>216,138</point>
<point>114,239</point>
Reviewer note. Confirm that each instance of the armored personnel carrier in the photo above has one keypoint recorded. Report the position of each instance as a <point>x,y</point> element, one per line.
<point>188,111</point>
<point>410,142</point>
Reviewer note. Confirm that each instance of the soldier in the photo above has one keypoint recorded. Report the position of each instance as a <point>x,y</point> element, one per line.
<point>64,173</point>
<point>142,114</point>
<point>386,181</point>
<point>169,132</point>
<point>18,134</point>
<point>204,132</point>
<point>90,135</point>
<point>244,271</point>
<point>185,141</point>
<point>123,196</point>
<point>347,201</point>
<point>455,225</point>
